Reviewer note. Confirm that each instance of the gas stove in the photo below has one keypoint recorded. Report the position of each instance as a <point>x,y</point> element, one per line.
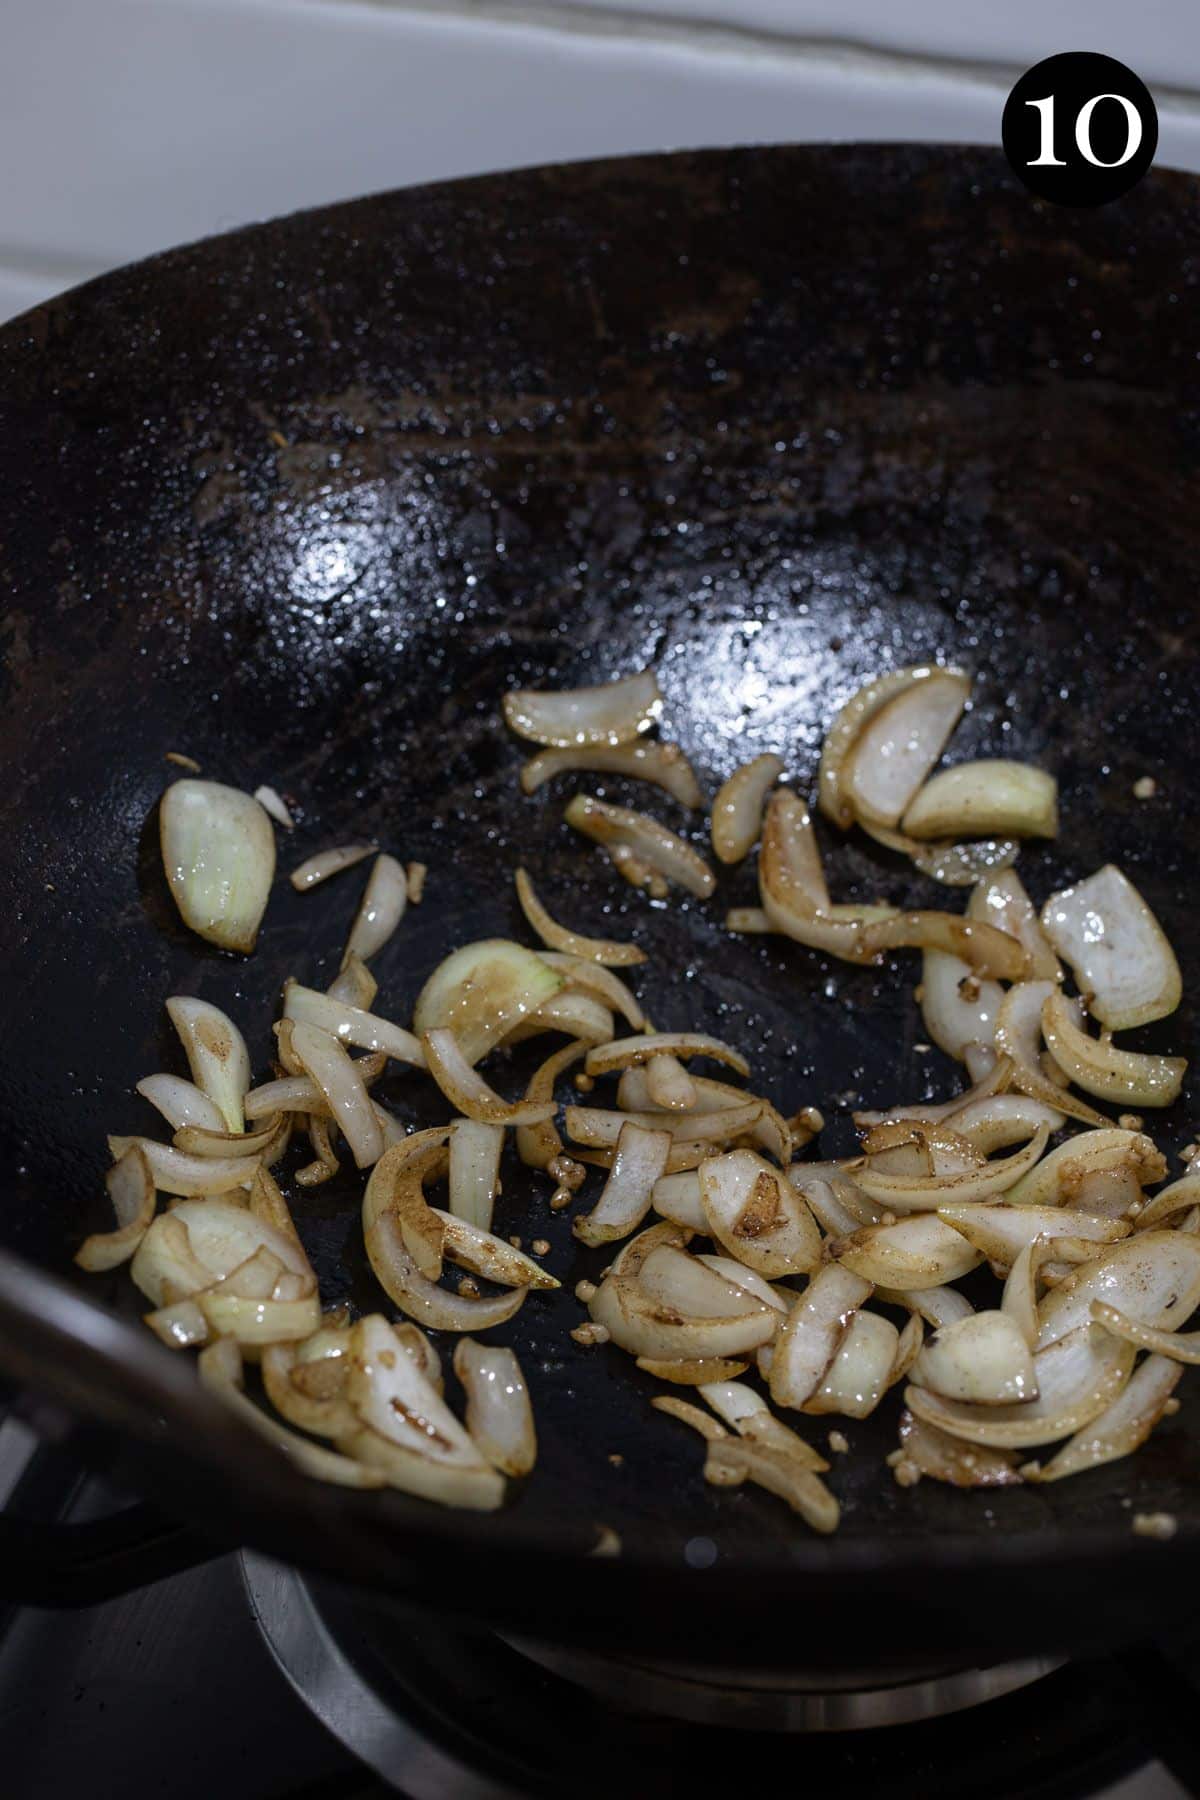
<point>244,1679</point>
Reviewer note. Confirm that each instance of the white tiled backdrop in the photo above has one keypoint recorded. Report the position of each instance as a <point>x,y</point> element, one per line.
<point>127,125</point>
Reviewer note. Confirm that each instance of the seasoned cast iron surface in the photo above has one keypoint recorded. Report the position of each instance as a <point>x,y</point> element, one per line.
<point>303,501</point>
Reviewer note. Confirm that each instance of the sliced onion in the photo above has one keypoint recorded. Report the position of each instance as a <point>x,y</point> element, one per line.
<point>860,1372</point>
<point>1098,1067</point>
<point>354,984</point>
<point>203,1241</point>
<point>729,1269</point>
<point>1001,1232</point>
<point>919,1252</point>
<point>737,809</point>
<point>1179,1346</point>
<point>939,1306</point>
<point>730,1460</point>
<point>499,1416</point>
<point>944,1458</point>
<point>613,712</point>
<point>218,850</point>
<point>936,1192</point>
<point>381,909</point>
<point>572,943</point>
<point>669,1085</point>
<point>999,1120</point>
<point>693,1287</point>
<point>1000,899</point>
<point>577,1015</point>
<point>272,803</point>
<point>1077,1377</point>
<point>490,1256</point>
<point>481,991</point>
<point>268,1205</point>
<point>1153,1278</point>
<point>431,1306</point>
<point>687,1414</point>
<point>1124,1424</point>
<point>174,1172</point>
<point>220,1369</point>
<point>1019,1038</point>
<point>539,1145</point>
<point>758,1216</point>
<point>955,1014</point>
<point>316,869</point>
<point>1116,948</point>
<point>770,1129</point>
<point>977,798</point>
<point>831,1215</point>
<point>593,1126</point>
<point>653,851</point>
<point>986,950</point>
<point>664,765</point>
<point>814,1329</point>
<point>469,1093</point>
<point>327,1064</point>
<point>131,1189</point>
<point>181,1326</point>
<point>900,743</point>
<point>751,1417</point>
<point>599,983</point>
<point>165,1267</point>
<point>290,1093</point>
<point>632,1257</point>
<point>693,1371</point>
<point>1020,1298</point>
<point>181,1102</point>
<point>954,865</point>
<point>326,1416</point>
<point>350,1025</point>
<point>196,1141</point>
<point>639,1162</point>
<point>677,1197</point>
<point>791,882</point>
<point>849,725</point>
<point>216,1053</point>
<point>984,1359</point>
<point>474,1170</point>
<point>250,1320</point>
<point>908,1348</point>
<point>645,1324</point>
<point>1060,1176</point>
<point>623,1053</point>
<point>1181,1196</point>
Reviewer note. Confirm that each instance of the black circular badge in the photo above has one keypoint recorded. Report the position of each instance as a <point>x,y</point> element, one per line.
<point>1080,129</point>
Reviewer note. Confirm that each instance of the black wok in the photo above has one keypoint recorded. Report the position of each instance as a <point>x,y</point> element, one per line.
<point>303,500</point>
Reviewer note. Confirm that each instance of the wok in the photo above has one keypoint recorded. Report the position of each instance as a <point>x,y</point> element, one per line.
<point>302,501</point>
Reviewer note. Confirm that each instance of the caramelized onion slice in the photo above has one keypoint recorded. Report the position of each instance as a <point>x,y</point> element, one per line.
<point>737,809</point>
<point>758,1216</point>
<point>218,851</point>
<point>984,1359</point>
<point>474,1170</point>
<point>639,1163</point>
<point>499,1416</point>
<point>492,1257</point>
<point>849,724</point>
<point>624,1053</point>
<point>380,911</point>
<point>175,1172</point>
<point>957,1007</point>
<point>354,984</point>
<point>813,1331</point>
<point>1179,1346</point>
<point>273,803</point>
<point>654,849</point>
<point>693,1371</point>
<point>1124,1424</point>
<point>220,1369</point>
<point>899,744</point>
<point>687,1414</point>
<point>572,943</point>
<point>1058,1178</point>
<point>132,1192</point>
<point>934,1193</point>
<point>1101,1069</point>
<point>1181,1196</point>
<point>1000,899</point>
<point>981,946</point>
<point>919,1252</point>
<point>594,1126</point>
<point>181,1102</point>
<point>1001,1232</point>
<point>481,991</point>
<point>539,1145</point>
<point>1116,948</point>
<point>216,1053</point>
<point>945,1458</point>
<point>1077,1377</point>
<point>316,869</point>
<point>644,1323</point>
<point>1019,1038</point>
<point>598,983</point>
<point>431,1306</point>
<point>750,1416</point>
<point>1153,1278</point>
<point>612,712</point>
<point>469,1093</point>
<point>663,765</point>
<point>677,1197</point>
<point>730,1460</point>
<point>977,799</point>
<point>328,1066</point>
<point>350,1025</point>
<point>861,1371</point>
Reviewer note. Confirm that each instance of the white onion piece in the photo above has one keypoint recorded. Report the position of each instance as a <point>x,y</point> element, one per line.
<point>1181,1196</point>
<point>174,1172</point>
<point>469,1093</point>
<point>939,1306</point>
<point>1180,1346</point>
<point>325,1415</point>
<point>1120,1429</point>
<point>354,984</point>
<point>986,950</point>
<point>216,1053</point>
<point>1019,1038</point>
<point>677,1197</point>
<point>977,799</point>
<point>819,1197</point>
<point>290,1093</point>
<point>936,1192</point>
<point>908,1348</point>
<point>499,1416</point>
<point>251,1321</point>
<point>1153,1278</point>
<point>1101,1069</point>
<point>996,1079</point>
<point>381,909</point>
<point>791,882</point>
<point>572,943</point>
<point>1077,1377</point>
<point>955,1016</point>
<point>639,1162</point>
<point>692,1287</point>
<point>449,1484</point>
<point>131,1189</point>
<point>809,1340</point>
<point>196,1141</point>
<point>732,1460</point>
<point>539,1146</point>
<point>220,1368</point>
<point>669,1085</point>
<point>770,1130</point>
<point>218,850</point>
<point>316,869</point>
<point>899,744</point>
<point>919,1252</point>
<point>203,1241</point>
<point>701,1422</point>
<point>327,1064</point>
<point>849,724</point>
<point>1000,899</point>
<point>645,1324</point>
<point>758,1216</point>
<point>596,1127</point>
<point>1001,1232</point>
<point>693,1371</point>
<point>751,1417</point>
<point>653,850</point>
<point>999,1120</point>
<point>737,809</point>
<point>273,803</point>
<point>1117,950</point>
<point>944,1458</point>
<point>734,1402</point>
<point>663,765</point>
<point>350,1025</point>
<point>729,1269</point>
<point>858,1377</point>
<point>1020,1298</point>
<point>613,712</point>
<point>1059,1176</point>
<point>490,1256</point>
<point>632,1257</point>
<point>181,1102</point>
<point>166,1267</point>
<point>474,1170</point>
<point>622,1053</point>
<point>577,1015</point>
<point>984,1359</point>
<point>431,1306</point>
<point>599,983</point>
<point>481,991</point>
<point>180,1327</point>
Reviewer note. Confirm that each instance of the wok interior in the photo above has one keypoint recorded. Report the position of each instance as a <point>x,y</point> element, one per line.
<point>302,502</point>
